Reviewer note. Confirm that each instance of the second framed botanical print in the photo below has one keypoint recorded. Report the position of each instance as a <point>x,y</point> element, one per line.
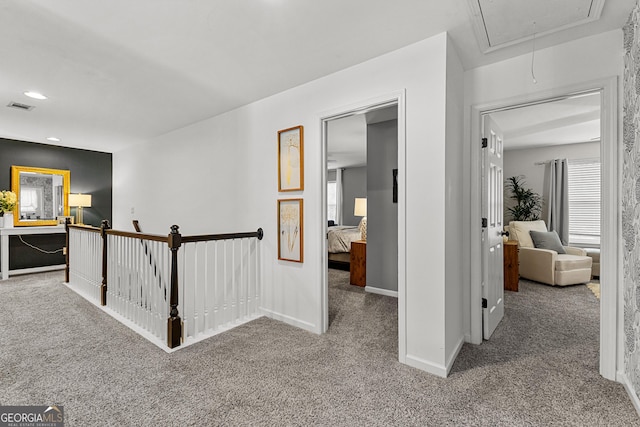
<point>291,159</point>
<point>290,230</point>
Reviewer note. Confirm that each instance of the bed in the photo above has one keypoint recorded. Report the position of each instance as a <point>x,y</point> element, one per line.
<point>339,244</point>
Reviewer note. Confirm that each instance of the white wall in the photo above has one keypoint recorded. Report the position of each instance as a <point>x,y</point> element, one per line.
<point>566,66</point>
<point>220,175</point>
<point>457,266</point>
<point>523,162</point>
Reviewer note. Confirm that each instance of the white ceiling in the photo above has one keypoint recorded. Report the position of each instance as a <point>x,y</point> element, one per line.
<point>121,72</point>
<point>347,137</point>
<point>500,23</point>
<point>566,121</point>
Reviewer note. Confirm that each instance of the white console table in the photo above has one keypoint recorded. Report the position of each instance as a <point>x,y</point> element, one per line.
<point>19,231</point>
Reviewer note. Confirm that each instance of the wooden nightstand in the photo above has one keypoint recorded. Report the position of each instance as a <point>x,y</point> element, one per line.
<point>511,266</point>
<point>358,263</point>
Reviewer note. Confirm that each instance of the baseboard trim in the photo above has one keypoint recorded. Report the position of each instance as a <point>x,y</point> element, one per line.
<point>381,291</point>
<point>37,269</point>
<point>291,321</point>
<point>425,365</point>
<point>622,377</point>
<point>454,355</point>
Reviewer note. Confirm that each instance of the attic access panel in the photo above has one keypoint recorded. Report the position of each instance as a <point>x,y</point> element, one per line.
<point>502,23</point>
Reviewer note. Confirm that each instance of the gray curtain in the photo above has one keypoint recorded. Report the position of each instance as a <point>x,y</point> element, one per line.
<point>558,208</point>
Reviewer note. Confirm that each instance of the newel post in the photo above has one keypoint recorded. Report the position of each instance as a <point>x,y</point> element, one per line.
<point>103,287</point>
<point>67,221</point>
<point>174,323</point>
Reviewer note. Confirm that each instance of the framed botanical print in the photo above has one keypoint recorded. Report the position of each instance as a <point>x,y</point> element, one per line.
<point>290,230</point>
<point>291,159</point>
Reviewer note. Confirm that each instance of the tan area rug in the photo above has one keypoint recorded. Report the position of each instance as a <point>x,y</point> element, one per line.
<point>595,288</point>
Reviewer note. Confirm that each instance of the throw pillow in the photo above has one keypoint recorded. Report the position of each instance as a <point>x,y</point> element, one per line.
<point>547,240</point>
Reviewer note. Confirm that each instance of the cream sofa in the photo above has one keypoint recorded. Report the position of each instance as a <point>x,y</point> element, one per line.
<point>545,265</point>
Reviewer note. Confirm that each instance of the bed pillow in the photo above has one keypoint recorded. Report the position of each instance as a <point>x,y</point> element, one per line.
<point>547,240</point>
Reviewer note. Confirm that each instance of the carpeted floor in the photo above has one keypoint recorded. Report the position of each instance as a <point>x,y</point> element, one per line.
<point>539,369</point>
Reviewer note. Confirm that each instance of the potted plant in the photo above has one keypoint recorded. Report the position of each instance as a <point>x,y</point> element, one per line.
<point>8,200</point>
<point>528,203</point>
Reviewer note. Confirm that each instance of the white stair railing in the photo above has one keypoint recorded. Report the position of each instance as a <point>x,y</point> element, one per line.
<point>219,285</point>
<point>85,262</point>
<point>138,282</point>
<point>168,288</point>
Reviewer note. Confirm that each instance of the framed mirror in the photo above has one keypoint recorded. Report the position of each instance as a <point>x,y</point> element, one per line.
<point>43,195</point>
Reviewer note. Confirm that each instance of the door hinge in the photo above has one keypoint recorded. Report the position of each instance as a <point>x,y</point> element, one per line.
<point>484,303</point>
<point>485,142</point>
<point>484,223</point>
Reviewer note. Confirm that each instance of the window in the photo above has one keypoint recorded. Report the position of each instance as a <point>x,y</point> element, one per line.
<point>584,202</point>
<point>29,198</point>
<point>331,201</point>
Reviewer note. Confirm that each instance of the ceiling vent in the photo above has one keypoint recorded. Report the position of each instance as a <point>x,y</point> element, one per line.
<point>20,106</point>
<point>502,23</point>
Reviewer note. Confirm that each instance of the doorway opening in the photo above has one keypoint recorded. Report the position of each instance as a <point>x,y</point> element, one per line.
<point>607,151</point>
<point>363,160</point>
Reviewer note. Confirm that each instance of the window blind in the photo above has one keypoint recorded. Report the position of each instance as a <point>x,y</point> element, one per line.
<point>331,201</point>
<point>584,202</point>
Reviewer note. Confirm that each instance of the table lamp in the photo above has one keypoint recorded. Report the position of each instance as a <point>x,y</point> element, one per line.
<point>360,209</point>
<point>79,201</point>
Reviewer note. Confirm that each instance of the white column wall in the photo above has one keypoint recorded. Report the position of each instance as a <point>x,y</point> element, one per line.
<point>457,242</point>
<point>219,175</point>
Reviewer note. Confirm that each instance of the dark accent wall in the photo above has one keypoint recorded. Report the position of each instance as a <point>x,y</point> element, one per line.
<point>91,173</point>
<point>354,184</point>
<point>382,212</point>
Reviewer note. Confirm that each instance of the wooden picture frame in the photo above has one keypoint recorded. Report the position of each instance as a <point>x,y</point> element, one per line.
<point>290,230</point>
<point>291,159</point>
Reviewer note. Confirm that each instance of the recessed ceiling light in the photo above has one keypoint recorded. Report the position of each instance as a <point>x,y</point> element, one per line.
<point>53,139</point>
<point>35,95</point>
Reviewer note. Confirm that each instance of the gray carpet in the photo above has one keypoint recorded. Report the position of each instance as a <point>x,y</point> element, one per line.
<point>541,367</point>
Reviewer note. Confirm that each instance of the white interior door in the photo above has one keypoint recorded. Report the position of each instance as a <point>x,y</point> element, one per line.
<point>492,227</point>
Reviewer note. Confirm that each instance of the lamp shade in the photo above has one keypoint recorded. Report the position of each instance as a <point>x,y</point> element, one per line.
<point>360,207</point>
<point>80,200</point>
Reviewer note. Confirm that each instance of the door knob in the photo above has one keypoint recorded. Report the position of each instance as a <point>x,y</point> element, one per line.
<point>504,233</point>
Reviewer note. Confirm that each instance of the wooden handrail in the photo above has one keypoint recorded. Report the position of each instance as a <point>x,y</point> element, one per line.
<point>145,236</point>
<point>86,227</point>
<point>259,234</point>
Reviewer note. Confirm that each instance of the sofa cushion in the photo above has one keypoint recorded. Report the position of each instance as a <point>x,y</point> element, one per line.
<point>547,240</point>
<point>572,262</point>
<point>521,229</point>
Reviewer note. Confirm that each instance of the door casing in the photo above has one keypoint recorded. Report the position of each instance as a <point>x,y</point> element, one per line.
<point>395,98</point>
<point>611,242</point>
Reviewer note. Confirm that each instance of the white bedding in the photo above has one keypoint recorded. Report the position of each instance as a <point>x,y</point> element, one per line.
<point>341,236</point>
